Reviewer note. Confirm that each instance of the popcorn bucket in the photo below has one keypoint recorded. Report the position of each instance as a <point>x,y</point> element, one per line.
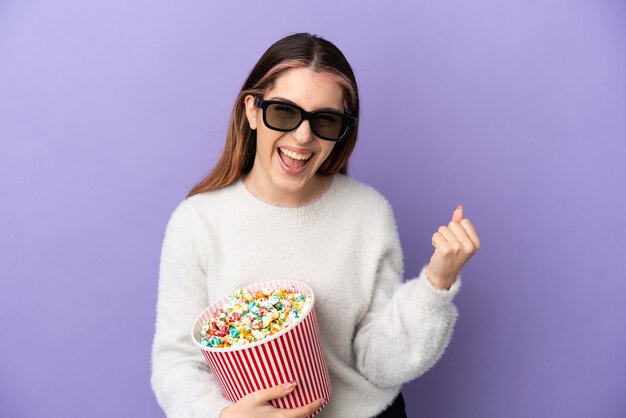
<point>294,353</point>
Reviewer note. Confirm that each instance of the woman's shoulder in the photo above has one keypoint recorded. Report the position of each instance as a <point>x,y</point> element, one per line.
<point>365,206</point>
<point>196,207</point>
<point>362,194</point>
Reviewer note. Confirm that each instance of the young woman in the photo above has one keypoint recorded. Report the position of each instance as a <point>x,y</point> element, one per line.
<point>279,204</point>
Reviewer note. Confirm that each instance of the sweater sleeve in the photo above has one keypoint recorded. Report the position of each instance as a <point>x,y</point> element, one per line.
<point>181,380</point>
<point>408,325</point>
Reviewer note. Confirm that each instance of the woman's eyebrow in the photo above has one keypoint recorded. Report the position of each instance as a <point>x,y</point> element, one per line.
<point>289,101</point>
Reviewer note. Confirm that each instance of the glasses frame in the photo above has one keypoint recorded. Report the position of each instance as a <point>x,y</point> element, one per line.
<point>347,120</point>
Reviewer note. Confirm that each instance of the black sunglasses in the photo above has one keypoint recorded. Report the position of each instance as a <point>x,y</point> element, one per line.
<point>284,117</point>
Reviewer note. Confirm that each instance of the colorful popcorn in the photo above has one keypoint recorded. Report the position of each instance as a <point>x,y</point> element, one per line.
<point>250,317</point>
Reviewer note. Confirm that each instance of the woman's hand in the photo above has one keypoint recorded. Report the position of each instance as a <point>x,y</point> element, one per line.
<point>256,404</point>
<point>454,245</point>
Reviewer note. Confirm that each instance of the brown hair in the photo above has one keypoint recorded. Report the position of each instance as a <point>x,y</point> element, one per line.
<point>294,51</point>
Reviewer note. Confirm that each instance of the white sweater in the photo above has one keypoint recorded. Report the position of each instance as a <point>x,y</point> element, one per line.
<point>377,331</point>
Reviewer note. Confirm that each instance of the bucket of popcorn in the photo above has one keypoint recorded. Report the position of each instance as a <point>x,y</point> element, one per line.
<point>263,335</point>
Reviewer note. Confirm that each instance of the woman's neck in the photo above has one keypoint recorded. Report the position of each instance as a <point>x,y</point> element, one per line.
<point>269,193</point>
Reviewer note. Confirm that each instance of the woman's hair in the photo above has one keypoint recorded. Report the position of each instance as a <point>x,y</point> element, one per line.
<point>301,50</point>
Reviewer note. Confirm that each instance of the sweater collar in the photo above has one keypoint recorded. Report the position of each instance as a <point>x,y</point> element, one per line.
<point>288,215</point>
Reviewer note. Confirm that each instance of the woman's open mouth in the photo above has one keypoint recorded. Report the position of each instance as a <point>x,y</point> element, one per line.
<point>292,162</point>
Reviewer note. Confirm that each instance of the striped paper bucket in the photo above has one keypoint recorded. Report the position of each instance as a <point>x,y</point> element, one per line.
<point>294,353</point>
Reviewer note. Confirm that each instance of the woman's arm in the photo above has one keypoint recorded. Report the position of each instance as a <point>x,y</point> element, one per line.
<point>182,382</point>
<point>408,325</point>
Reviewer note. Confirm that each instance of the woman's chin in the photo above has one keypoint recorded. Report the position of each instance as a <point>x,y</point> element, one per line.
<point>289,184</point>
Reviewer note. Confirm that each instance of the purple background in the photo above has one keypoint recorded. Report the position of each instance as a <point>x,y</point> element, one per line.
<point>111,111</point>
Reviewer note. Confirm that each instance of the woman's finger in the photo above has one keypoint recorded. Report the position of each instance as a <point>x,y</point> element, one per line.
<point>303,411</point>
<point>265,395</point>
<point>439,241</point>
<point>462,236</point>
<point>453,241</point>
<point>471,232</point>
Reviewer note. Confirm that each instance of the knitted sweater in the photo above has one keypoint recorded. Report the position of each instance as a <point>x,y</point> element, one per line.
<point>377,331</point>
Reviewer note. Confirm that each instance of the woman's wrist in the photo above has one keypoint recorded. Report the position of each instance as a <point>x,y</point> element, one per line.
<point>439,283</point>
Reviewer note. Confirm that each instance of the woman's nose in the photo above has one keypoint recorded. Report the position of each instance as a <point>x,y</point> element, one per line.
<point>303,133</point>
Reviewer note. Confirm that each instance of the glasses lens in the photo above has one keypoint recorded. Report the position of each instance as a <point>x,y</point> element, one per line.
<point>282,116</point>
<point>328,125</point>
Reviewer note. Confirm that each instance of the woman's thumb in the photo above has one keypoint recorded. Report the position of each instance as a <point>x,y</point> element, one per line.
<point>289,386</point>
<point>457,216</point>
<point>275,392</point>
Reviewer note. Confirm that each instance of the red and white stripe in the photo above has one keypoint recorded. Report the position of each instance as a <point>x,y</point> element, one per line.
<point>292,354</point>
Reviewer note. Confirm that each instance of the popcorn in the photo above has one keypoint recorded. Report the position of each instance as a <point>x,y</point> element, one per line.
<point>249,317</point>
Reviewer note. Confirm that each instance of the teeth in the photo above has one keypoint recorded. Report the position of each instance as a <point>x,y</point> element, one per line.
<point>296,156</point>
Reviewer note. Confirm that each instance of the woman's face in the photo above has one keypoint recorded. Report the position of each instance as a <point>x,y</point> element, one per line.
<point>275,176</point>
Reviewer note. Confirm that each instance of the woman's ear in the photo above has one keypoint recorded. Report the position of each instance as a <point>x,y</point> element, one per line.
<point>250,111</point>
